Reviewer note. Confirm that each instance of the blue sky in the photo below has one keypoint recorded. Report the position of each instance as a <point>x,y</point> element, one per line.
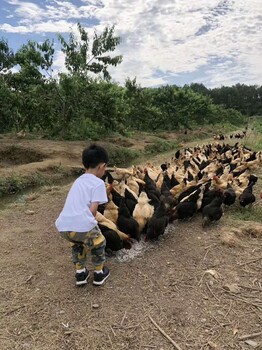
<point>214,42</point>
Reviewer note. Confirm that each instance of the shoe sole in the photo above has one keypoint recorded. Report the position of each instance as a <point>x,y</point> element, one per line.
<point>80,283</point>
<point>101,282</point>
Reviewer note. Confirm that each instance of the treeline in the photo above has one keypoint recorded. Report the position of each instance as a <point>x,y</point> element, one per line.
<point>85,102</point>
<point>247,99</point>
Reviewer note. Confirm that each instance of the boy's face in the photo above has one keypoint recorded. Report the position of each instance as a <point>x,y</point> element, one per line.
<point>101,168</point>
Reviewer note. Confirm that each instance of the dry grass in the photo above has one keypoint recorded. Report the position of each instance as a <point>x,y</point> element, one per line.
<point>31,197</point>
<point>230,239</point>
<point>236,237</point>
<point>252,229</point>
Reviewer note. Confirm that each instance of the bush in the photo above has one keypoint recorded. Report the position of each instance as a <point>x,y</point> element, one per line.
<point>83,129</point>
<point>257,124</point>
<point>15,183</point>
<point>160,146</point>
<point>120,156</point>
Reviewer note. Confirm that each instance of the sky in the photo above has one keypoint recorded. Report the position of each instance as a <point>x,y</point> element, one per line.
<point>214,42</point>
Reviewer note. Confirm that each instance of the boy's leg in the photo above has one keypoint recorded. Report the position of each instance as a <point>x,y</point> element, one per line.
<point>79,255</point>
<point>78,247</point>
<point>97,244</point>
<point>79,251</point>
<point>79,259</point>
<point>98,253</point>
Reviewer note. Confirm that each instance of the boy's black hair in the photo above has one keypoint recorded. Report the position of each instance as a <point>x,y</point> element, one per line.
<point>94,155</point>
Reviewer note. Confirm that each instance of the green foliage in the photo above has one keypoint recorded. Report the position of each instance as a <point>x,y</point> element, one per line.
<point>160,146</point>
<point>243,98</point>
<point>141,112</point>
<point>254,138</point>
<point>79,106</point>
<point>107,105</point>
<point>26,88</point>
<point>81,59</point>
<point>199,88</point>
<point>16,183</point>
<point>32,58</point>
<point>121,156</point>
<point>6,56</point>
<point>257,125</point>
<point>7,106</point>
<point>245,214</point>
<point>84,129</point>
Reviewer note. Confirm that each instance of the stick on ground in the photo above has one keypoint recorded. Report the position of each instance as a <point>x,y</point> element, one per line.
<point>164,333</point>
<point>250,336</point>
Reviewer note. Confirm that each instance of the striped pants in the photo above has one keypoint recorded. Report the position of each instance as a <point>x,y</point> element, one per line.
<point>82,242</point>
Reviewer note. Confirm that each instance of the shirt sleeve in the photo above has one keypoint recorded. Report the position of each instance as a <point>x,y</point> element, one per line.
<point>99,194</point>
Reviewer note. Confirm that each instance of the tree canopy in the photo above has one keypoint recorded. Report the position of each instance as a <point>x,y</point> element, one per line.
<point>85,102</point>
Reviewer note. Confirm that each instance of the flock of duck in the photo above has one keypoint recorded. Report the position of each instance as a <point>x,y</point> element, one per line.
<point>202,179</point>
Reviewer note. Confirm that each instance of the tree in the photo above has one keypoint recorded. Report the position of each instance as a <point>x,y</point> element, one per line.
<point>82,59</point>
<point>33,60</point>
<point>6,56</point>
<point>141,113</point>
<point>199,88</point>
<point>246,99</point>
<point>165,98</point>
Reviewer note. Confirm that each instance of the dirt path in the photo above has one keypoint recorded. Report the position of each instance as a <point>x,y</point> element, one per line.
<point>202,293</point>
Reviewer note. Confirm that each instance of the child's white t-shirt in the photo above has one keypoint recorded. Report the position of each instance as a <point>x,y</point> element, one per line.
<point>76,215</point>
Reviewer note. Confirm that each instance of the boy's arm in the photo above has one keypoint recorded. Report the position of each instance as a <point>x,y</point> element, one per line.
<point>98,196</point>
<point>93,208</point>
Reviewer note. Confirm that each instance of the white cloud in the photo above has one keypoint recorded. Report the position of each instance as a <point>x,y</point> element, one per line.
<point>40,27</point>
<point>231,39</point>
<point>220,38</point>
<point>13,29</point>
<point>59,63</point>
<point>28,10</point>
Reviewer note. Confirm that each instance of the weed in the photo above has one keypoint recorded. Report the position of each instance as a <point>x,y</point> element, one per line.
<point>16,183</point>
<point>254,138</point>
<point>31,197</point>
<point>246,214</point>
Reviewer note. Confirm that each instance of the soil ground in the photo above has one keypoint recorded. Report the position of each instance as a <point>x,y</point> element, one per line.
<point>202,291</point>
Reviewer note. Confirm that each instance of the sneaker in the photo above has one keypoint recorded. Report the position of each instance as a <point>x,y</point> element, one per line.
<point>100,277</point>
<point>82,277</point>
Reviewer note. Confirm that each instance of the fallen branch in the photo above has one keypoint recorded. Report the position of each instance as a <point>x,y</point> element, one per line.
<point>148,346</point>
<point>250,336</point>
<point>125,327</point>
<point>212,292</point>
<point>28,279</point>
<point>250,262</point>
<point>255,311</point>
<point>13,310</point>
<point>113,331</point>
<point>251,288</point>
<point>164,333</point>
<point>230,307</point>
<point>249,302</point>
<point>244,300</point>
<point>121,324</point>
<point>95,329</point>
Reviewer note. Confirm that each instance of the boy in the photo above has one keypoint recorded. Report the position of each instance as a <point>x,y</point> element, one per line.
<point>77,222</point>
